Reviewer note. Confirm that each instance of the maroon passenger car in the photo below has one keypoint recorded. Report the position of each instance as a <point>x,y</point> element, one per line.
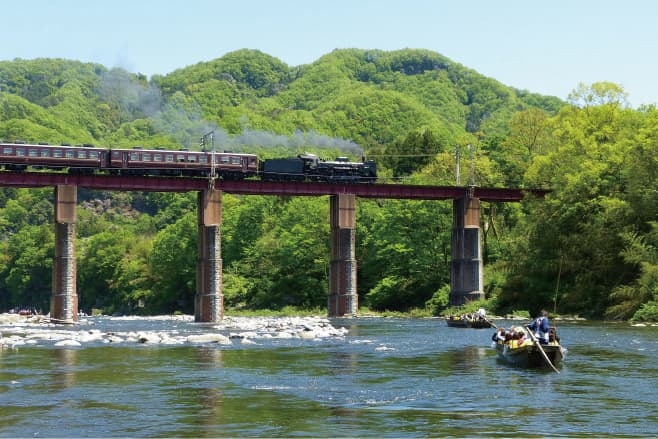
<point>230,166</point>
<point>19,156</point>
<point>136,161</point>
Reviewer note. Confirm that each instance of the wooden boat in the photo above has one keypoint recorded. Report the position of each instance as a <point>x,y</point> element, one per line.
<point>529,355</point>
<point>456,321</point>
<point>478,323</point>
<point>468,321</point>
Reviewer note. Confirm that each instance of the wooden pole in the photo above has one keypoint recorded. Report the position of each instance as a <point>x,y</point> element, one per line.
<point>534,339</point>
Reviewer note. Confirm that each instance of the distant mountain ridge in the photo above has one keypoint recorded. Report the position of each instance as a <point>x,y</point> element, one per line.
<point>371,97</point>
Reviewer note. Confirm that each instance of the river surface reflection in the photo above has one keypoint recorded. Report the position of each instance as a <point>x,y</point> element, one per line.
<point>387,377</point>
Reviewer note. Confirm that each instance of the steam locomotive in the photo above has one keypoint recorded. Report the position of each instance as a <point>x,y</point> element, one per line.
<point>310,167</point>
<point>86,159</point>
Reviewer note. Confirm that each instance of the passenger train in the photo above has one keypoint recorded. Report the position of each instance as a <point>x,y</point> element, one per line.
<point>87,159</point>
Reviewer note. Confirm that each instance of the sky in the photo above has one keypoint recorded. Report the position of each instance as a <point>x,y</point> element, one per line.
<point>547,47</point>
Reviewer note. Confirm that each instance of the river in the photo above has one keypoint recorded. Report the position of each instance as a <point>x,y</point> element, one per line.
<point>387,377</point>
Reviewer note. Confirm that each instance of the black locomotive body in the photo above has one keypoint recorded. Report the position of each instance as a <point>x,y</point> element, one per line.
<point>309,167</point>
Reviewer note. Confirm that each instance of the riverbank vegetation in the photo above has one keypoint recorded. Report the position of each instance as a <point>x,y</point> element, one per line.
<point>588,248</point>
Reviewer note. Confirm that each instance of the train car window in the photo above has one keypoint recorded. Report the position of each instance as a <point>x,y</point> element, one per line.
<point>45,153</point>
<point>203,159</point>
<point>33,153</point>
<point>20,152</point>
<point>57,153</point>
<point>169,158</point>
<point>70,154</point>
<point>236,160</point>
<point>191,158</point>
<point>180,158</point>
<point>8,150</point>
<point>157,157</point>
<point>134,156</point>
<point>224,159</point>
<point>146,157</point>
<point>82,154</point>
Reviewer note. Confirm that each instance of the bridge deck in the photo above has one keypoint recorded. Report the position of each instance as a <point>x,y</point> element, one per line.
<point>251,187</point>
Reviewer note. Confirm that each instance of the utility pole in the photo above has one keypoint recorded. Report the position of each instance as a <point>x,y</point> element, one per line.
<point>472,179</point>
<point>209,138</point>
<point>457,182</point>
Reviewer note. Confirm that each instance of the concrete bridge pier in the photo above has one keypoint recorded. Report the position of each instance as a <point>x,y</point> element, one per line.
<point>209,299</point>
<point>343,297</point>
<point>467,273</point>
<point>64,297</point>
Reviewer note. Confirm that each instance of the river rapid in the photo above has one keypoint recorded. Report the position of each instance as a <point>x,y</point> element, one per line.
<point>370,377</point>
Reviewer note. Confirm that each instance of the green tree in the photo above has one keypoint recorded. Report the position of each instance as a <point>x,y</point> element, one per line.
<point>406,252</point>
<point>529,135</point>
<point>132,283</point>
<point>173,266</point>
<point>27,272</point>
<point>99,257</point>
<point>577,230</point>
<point>408,155</point>
<point>288,264</point>
<point>642,252</point>
<point>243,223</point>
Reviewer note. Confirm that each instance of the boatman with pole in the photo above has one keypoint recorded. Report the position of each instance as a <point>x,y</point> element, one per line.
<point>541,327</point>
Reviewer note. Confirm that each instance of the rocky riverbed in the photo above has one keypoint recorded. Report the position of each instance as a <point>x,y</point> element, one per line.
<point>36,330</point>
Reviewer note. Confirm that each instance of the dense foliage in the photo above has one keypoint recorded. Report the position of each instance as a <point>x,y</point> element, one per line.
<point>588,248</point>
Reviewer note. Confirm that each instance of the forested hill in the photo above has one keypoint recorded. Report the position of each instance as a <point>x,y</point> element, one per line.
<point>588,248</point>
<point>369,97</point>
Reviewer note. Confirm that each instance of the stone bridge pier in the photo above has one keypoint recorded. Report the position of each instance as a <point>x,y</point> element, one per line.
<point>466,278</point>
<point>343,297</point>
<point>64,297</point>
<point>209,298</point>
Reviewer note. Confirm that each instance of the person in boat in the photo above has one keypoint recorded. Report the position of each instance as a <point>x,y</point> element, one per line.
<point>509,335</point>
<point>541,326</point>
<point>499,336</point>
<point>516,340</point>
<point>553,338</point>
<point>520,339</point>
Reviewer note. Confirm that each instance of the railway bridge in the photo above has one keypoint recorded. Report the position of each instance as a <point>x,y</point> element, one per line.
<point>466,266</point>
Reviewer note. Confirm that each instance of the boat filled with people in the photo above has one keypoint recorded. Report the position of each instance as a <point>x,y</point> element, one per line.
<point>476,320</point>
<point>519,346</point>
<point>456,321</point>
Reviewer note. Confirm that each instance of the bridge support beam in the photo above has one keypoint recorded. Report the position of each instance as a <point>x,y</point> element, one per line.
<point>64,297</point>
<point>209,299</point>
<point>466,279</point>
<point>343,298</point>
